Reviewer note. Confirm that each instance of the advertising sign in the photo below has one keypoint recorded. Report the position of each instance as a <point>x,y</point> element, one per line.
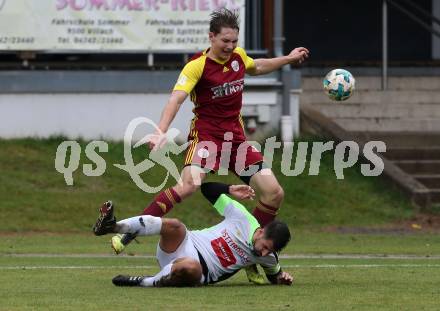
<point>109,25</point>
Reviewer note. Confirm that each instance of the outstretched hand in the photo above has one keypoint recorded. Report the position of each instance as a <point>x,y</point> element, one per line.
<point>285,278</point>
<point>242,192</point>
<point>298,55</point>
<point>157,141</point>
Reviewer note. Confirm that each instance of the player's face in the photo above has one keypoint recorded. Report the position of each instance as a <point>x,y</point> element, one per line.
<point>262,246</point>
<point>223,43</point>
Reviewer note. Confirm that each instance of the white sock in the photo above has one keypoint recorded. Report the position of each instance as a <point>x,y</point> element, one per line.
<point>149,281</point>
<point>140,225</point>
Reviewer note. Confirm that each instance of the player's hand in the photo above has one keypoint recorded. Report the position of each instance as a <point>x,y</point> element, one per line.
<point>298,55</point>
<point>285,278</point>
<point>242,192</point>
<point>157,141</point>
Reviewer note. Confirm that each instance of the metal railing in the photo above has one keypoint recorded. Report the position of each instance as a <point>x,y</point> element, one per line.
<point>409,10</point>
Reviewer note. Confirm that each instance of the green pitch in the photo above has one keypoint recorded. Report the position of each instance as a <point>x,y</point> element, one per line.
<point>387,258</point>
<point>84,283</point>
<point>74,272</point>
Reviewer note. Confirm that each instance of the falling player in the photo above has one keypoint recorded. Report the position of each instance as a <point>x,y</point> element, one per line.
<point>191,258</point>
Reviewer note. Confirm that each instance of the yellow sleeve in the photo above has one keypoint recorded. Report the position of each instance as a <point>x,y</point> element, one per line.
<point>190,75</point>
<point>248,61</point>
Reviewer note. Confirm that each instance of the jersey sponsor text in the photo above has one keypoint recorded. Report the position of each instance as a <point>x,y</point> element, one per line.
<point>244,258</point>
<point>228,88</point>
<point>223,252</point>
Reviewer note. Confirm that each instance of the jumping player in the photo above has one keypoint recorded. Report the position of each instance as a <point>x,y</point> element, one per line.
<point>190,258</point>
<point>214,79</point>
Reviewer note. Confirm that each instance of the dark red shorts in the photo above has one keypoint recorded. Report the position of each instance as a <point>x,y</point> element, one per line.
<point>215,155</point>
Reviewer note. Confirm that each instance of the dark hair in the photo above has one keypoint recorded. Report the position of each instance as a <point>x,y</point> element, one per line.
<point>279,233</point>
<point>223,18</point>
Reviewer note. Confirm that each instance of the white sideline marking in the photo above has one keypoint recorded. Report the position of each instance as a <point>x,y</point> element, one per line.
<point>74,267</point>
<point>366,266</point>
<point>284,266</point>
<point>285,256</point>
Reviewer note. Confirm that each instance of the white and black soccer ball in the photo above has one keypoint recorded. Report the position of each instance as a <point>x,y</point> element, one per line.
<point>339,84</point>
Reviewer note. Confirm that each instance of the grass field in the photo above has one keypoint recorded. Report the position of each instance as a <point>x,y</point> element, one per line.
<point>357,243</point>
<point>84,284</point>
<point>332,271</point>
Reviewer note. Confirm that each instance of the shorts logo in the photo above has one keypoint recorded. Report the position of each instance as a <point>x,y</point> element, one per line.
<point>2,3</point>
<point>141,221</point>
<point>203,153</point>
<point>254,149</point>
<point>235,66</point>
<point>223,252</point>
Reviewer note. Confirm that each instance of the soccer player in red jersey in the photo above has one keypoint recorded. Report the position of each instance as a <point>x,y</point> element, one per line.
<point>214,79</point>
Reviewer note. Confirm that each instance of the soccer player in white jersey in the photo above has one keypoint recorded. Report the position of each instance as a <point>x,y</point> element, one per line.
<point>191,258</point>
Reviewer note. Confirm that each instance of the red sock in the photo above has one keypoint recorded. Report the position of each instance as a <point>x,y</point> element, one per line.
<point>162,203</point>
<point>264,213</point>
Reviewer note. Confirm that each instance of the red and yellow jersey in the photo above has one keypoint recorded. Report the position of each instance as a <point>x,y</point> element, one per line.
<point>216,88</point>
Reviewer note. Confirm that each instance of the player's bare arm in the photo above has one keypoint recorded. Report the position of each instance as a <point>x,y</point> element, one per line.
<point>170,110</point>
<point>168,114</point>
<point>267,65</point>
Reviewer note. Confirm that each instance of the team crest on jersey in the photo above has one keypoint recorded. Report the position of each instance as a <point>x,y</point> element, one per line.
<point>235,65</point>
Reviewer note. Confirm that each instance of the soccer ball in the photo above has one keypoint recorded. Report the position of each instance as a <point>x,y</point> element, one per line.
<point>339,84</point>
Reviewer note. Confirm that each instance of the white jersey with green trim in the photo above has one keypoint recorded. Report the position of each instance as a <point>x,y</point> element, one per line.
<point>227,247</point>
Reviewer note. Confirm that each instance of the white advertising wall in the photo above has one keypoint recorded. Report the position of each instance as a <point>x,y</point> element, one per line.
<point>93,116</point>
<point>89,116</point>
